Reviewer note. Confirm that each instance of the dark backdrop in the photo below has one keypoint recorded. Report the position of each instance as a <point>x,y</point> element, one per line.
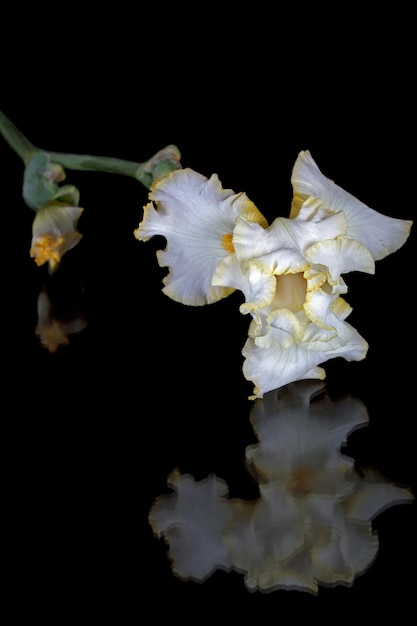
<point>92,432</point>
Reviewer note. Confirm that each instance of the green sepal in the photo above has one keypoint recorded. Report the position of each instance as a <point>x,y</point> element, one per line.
<point>39,182</point>
<point>68,194</point>
<point>164,167</point>
<point>161,169</point>
<point>162,163</point>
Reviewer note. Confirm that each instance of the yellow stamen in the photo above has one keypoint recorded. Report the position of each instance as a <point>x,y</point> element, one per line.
<point>227,242</point>
<point>47,248</point>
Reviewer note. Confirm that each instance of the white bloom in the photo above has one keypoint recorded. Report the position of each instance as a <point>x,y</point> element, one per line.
<point>290,272</point>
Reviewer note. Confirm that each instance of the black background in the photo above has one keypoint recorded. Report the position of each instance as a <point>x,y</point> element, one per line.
<point>92,432</point>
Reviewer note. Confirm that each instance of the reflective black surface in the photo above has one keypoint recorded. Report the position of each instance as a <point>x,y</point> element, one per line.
<point>142,387</point>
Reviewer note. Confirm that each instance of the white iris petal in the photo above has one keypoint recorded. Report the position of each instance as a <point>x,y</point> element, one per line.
<point>317,306</point>
<point>274,367</point>
<point>341,256</point>
<point>381,235</point>
<point>196,216</point>
<point>281,247</point>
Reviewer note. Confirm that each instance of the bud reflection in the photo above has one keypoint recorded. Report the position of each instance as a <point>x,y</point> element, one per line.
<point>311,525</point>
<point>60,313</point>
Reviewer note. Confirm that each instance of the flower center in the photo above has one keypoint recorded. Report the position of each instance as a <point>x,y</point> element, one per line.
<point>291,292</point>
<point>300,479</point>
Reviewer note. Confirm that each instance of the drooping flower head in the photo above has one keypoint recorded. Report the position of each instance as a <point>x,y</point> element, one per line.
<point>290,272</point>
<point>54,233</point>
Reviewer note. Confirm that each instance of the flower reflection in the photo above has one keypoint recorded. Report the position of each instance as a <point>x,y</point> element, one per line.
<point>192,521</point>
<point>60,313</point>
<point>311,525</point>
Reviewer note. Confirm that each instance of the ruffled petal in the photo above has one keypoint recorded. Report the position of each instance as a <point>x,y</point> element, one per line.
<point>258,287</point>
<point>281,247</point>
<point>272,367</point>
<point>284,329</point>
<point>318,306</point>
<point>346,342</point>
<point>196,216</point>
<point>341,256</point>
<point>381,235</point>
<point>276,248</point>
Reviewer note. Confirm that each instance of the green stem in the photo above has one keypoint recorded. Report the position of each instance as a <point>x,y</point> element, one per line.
<point>16,140</point>
<point>87,162</point>
<point>163,161</point>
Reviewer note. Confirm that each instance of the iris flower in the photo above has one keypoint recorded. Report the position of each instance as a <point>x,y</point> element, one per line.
<point>290,272</point>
